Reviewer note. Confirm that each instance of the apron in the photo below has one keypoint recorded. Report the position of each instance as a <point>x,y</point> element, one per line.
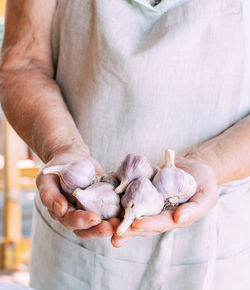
<point>140,79</point>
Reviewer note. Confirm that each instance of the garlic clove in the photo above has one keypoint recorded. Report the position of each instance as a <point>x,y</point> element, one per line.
<point>141,198</point>
<point>99,198</point>
<point>76,174</point>
<point>175,184</point>
<point>133,166</point>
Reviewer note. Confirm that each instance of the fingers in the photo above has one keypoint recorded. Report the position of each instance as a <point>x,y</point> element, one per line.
<point>118,241</point>
<point>197,207</point>
<point>76,219</point>
<point>79,219</point>
<point>157,224</point>
<point>98,168</point>
<point>104,229</point>
<point>51,197</point>
<point>181,216</point>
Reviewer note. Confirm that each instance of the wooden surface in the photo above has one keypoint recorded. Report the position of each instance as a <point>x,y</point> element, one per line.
<point>12,193</point>
<point>26,180</point>
<point>2,7</point>
<point>14,249</point>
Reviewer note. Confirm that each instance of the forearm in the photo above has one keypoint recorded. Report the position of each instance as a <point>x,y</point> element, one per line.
<point>30,98</point>
<point>34,106</point>
<point>228,153</point>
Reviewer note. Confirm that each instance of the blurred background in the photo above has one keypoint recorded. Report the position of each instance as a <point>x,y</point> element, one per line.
<point>18,169</point>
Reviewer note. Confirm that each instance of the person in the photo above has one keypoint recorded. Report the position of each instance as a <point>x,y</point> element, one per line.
<point>100,79</point>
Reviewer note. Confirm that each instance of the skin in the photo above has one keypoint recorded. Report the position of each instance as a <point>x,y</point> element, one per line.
<point>34,106</point>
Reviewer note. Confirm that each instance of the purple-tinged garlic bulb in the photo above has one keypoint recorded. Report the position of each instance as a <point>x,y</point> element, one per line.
<point>133,167</point>
<point>141,198</point>
<point>176,184</point>
<point>76,174</point>
<point>111,178</point>
<point>99,198</point>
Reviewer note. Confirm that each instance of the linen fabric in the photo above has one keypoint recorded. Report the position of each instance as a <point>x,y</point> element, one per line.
<point>140,79</point>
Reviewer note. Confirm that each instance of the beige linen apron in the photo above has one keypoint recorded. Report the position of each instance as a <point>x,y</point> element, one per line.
<point>139,79</point>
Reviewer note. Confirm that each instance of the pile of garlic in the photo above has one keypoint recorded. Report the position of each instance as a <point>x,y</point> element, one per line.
<point>145,190</point>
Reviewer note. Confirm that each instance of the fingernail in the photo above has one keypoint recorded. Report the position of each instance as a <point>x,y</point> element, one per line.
<point>183,218</point>
<point>94,222</point>
<point>57,208</point>
<point>117,243</point>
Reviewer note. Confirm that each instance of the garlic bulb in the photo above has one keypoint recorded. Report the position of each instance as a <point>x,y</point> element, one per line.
<point>176,184</point>
<point>133,167</point>
<point>99,198</point>
<point>111,178</point>
<point>141,198</point>
<point>77,174</point>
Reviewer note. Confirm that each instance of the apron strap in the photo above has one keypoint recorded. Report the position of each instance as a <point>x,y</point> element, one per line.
<point>159,264</point>
<point>208,279</point>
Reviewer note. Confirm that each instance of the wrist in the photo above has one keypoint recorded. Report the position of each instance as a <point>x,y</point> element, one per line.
<point>208,158</point>
<point>69,151</point>
<point>67,154</point>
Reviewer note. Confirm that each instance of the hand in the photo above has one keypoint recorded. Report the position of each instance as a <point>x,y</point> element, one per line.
<point>85,224</point>
<point>182,216</point>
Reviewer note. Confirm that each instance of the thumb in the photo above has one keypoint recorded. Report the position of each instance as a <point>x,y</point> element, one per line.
<point>98,168</point>
<point>51,197</point>
<point>197,207</point>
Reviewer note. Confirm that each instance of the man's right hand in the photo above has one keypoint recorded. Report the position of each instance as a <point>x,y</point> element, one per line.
<point>85,224</point>
<point>34,106</point>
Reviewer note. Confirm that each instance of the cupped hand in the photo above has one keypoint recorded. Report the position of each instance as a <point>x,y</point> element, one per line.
<point>182,216</point>
<point>85,224</point>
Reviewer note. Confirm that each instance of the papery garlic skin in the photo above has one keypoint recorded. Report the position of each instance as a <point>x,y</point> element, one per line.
<point>133,166</point>
<point>175,184</point>
<point>141,198</point>
<point>99,198</point>
<point>156,169</point>
<point>76,174</point>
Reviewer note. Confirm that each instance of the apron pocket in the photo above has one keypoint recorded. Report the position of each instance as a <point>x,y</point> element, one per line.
<point>57,263</point>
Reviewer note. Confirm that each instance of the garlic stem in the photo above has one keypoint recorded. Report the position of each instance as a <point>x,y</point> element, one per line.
<point>169,158</point>
<point>127,221</point>
<point>53,169</point>
<point>121,188</point>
